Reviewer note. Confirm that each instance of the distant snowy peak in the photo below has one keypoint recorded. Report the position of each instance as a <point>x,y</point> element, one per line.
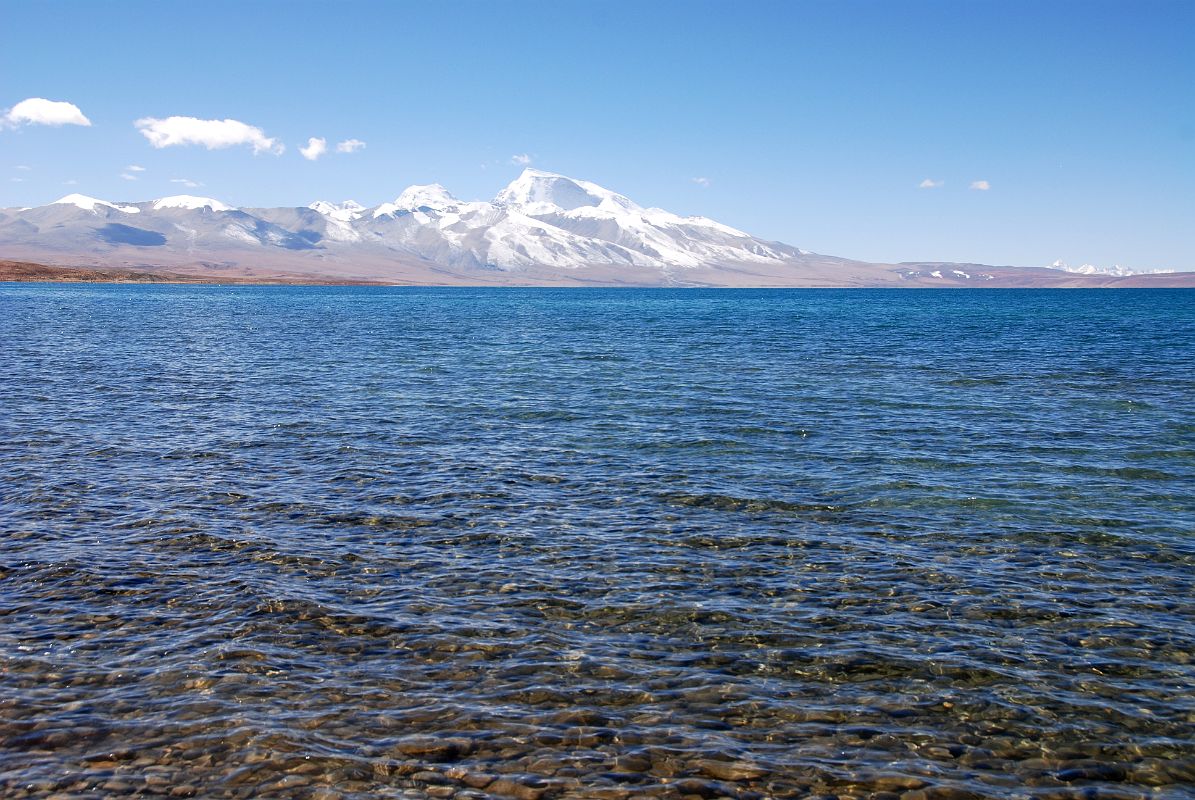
<point>546,195</point>
<point>1116,270</point>
<point>347,211</point>
<point>431,195</point>
<point>190,202</point>
<point>90,204</point>
<point>420,197</point>
<point>538,192</point>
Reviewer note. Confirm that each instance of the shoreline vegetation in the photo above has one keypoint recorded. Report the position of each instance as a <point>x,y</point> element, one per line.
<point>31,272</point>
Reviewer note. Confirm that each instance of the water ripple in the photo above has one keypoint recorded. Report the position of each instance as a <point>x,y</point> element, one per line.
<point>324,543</point>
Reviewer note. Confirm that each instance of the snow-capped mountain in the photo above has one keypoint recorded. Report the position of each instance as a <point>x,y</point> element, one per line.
<point>543,228</point>
<point>343,212</point>
<point>547,220</point>
<point>190,203</point>
<point>541,220</point>
<point>91,204</point>
<point>1116,270</point>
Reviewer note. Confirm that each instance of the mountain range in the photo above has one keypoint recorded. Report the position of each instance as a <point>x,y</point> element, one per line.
<point>542,229</point>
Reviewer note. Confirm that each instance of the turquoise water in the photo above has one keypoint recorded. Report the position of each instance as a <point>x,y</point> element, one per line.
<point>375,542</point>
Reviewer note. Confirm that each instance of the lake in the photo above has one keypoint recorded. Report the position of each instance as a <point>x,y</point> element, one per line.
<point>552,543</point>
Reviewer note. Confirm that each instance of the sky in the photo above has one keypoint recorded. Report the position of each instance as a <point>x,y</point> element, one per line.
<point>994,132</point>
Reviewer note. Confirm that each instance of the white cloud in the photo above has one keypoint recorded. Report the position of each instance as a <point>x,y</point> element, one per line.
<point>981,186</point>
<point>314,149</point>
<point>134,168</point>
<point>39,111</point>
<point>71,182</point>
<point>703,182</point>
<point>190,184</point>
<point>128,177</point>
<point>17,180</point>
<point>930,183</point>
<point>350,146</point>
<point>24,167</point>
<point>521,159</point>
<point>210,133</point>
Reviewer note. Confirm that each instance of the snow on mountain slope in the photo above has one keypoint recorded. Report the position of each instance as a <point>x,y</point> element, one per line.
<point>338,219</point>
<point>1115,270</point>
<point>658,237</point>
<point>190,202</point>
<point>544,225</point>
<point>347,211</point>
<point>544,219</point>
<point>428,197</point>
<point>90,203</point>
<point>538,192</point>
<point>539,220</point>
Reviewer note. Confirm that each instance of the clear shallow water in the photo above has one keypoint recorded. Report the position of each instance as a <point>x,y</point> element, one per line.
<point>324,542</point>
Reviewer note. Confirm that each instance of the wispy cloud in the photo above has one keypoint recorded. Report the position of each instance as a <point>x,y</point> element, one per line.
<point>980,186</point>
<point>128,177</point>
<point>315,148</point>
<point>24,167</point>
<point>930,183</point>
<point>190,184</point>
<point>134,168</point>
<point>701,181</point>
<point>521,159</point>
<point>350,146</point>
<point>17,180</point>
<point>210,133</point>
<point>40,111</point>
<point>71,182</point>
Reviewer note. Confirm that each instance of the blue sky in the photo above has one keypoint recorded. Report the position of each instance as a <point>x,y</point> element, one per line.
<point>814,123</point>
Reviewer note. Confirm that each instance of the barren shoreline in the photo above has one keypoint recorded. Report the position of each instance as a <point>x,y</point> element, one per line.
<point>27,272</point>
<point>1005,278</point>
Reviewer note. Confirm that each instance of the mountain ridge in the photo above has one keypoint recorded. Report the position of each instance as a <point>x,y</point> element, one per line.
<point>542,228</point>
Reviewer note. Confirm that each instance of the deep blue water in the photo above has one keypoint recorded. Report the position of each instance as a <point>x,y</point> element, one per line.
<point>532,543</point>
